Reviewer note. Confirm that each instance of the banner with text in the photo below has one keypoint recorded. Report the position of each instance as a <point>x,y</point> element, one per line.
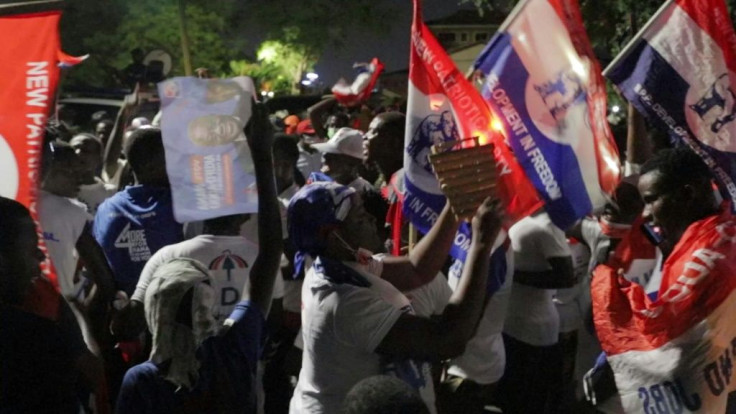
<point>542,76</point>
<point>207,157</point>
<point>680,72</point>
<point>28,77</point>
<point>444,106</point>
<point>672,350</point>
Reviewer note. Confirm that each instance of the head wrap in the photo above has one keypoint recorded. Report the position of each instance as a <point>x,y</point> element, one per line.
<point>179,326</point>
<point>314,211</point>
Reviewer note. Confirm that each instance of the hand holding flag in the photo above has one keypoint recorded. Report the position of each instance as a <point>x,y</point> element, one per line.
<point>443,106</point>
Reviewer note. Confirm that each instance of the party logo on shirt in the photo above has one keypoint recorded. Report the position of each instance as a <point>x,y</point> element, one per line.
<point>228,261</point>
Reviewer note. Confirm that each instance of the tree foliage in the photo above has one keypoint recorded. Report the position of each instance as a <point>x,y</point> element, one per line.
<point>221,33</point>
<point>147,25</point>
<point>268,77</point>
<point>316,24</point>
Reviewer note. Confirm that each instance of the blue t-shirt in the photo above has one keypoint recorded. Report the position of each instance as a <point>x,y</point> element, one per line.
<point>131,226</point>
<point>226,375</point>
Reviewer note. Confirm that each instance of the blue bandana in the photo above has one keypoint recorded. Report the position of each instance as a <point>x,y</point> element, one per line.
<point>314,211</point>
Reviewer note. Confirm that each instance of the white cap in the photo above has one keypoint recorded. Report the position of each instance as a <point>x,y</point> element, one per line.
<point>346,141</point>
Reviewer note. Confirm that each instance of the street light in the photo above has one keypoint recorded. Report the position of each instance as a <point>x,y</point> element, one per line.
<point>267,53</point>
<point>307,82</point>
<point>312,76</point>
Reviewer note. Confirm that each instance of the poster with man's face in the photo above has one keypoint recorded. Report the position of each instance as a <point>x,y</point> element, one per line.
<point>207,157</point>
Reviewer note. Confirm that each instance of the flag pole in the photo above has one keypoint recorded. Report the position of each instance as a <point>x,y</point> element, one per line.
<point>471,72</point>
<point>413,236</point>
<point>512,16</point>
<point>633,40</point>
<point>36,6</point>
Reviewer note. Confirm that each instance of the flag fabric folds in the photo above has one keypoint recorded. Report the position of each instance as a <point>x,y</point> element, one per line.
<point>28,78</point>
<point>544,81</point>
<point>362,87</point>
<point>68,61</point>
<point>679,71</point>
<point>672,351</point>
<point>444,106</point>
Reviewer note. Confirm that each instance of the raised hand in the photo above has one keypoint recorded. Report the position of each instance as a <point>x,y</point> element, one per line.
<point>487,222</point>
<point>259,131</point>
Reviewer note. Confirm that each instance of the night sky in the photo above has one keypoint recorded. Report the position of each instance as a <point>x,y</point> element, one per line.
<point>392,48</point>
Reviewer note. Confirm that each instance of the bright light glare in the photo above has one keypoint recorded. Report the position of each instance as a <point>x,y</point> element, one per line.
<point>312,76</point>
<point>496,125</point>
<point>306,82</point>
<point>270,94</point>
<point>615,109</point>
<point>267,54</point>
<point>264,93</point>
<point>436,102</point>
<point>578,67</point>
<point>612,165</point>
<point>482,137</point>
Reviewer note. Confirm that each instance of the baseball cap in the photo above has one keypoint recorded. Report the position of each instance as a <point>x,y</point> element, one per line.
<point>346,141</point>
<point>290,124</point>
<point>305,127</point>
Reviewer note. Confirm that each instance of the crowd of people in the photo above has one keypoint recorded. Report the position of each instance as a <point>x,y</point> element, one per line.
<point>316,303</point>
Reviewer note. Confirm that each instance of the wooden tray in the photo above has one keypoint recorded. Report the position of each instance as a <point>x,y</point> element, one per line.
<point>466,172</point>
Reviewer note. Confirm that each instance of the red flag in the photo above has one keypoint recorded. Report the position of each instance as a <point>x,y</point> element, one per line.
<point>680,344</point>
<point>28,79</point>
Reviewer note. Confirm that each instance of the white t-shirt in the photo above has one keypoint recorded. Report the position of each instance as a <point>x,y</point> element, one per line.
<point>92,195</point>
<point>430,299</point>
<point>229,259</point>
<point>249,230</point>
<point>426,301</point>
<point>484,358</point>
<point>342,325</point>
<point>62,221</point>
<point>566,300</point>
<point>532,317</point>
<point>308,162</point>
<point>598,242</point>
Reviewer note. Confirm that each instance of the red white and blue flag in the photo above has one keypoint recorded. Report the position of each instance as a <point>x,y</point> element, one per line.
<point>68,61</point>
<point>680,72</point>
<point>444,106</point>
<point>362,87</point>
<point>542,77</point>
<point>673,352</point>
